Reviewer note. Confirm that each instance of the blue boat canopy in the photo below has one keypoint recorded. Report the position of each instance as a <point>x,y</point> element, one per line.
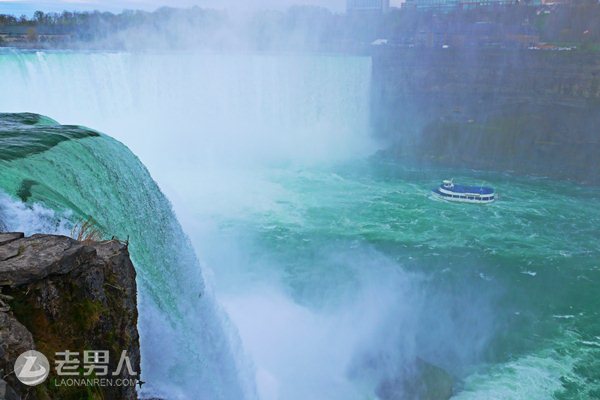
<point>472,189</point>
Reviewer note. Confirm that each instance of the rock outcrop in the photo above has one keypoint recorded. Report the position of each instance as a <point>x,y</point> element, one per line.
<point>424,382</point>
<point>58,294</point>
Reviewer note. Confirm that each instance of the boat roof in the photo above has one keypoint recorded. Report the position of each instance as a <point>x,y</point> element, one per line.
<point>471,189</point>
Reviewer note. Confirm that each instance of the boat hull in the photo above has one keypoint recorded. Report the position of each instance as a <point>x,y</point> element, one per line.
<point>464,197</point>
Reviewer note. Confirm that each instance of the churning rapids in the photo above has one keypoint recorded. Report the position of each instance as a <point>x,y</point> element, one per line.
<point>329,270</point>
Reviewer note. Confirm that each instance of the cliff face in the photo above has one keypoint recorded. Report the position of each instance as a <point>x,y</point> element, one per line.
<point>534,112</point>
<point>58,294</point>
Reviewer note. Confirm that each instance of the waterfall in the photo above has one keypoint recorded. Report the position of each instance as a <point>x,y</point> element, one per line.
<point>182,108</point>
<point>201,123</point>
<point>54,176</point>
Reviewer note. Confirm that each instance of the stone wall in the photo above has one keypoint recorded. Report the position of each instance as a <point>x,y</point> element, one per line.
<point>530,111</point>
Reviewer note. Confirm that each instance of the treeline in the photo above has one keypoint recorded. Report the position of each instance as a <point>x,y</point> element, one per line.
<point>578,22</point>
<point>311,28</point>
<point>96,24</point>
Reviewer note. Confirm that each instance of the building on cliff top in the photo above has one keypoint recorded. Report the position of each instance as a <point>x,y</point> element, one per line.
<point>367,6</point>
<point>464,4</point>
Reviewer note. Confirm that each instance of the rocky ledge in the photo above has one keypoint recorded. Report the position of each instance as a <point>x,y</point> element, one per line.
<point>57,295</point>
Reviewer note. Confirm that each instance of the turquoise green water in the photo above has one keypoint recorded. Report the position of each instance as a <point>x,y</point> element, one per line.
<point>335,276</point>
<point>504,296</point>
<point>53,176</point>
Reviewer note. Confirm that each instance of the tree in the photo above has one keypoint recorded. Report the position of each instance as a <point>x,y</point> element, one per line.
<point>39,17</point>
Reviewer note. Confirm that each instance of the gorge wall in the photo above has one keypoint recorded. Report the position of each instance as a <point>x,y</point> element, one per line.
<point>529,111</point>
<point>58,294</point>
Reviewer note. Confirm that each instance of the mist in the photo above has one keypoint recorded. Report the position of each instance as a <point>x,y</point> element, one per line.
<point>298,145</point>
<point>223,135</point>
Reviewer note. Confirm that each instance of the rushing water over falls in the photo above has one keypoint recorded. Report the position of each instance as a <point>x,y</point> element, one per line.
<point>338,271</point>
<point>81,175</point>
<point>229,109</point>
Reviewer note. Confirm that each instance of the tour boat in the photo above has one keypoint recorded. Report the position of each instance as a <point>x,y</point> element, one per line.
<point>465,194</point>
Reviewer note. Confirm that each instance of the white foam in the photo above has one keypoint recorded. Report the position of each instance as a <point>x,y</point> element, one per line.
<point>17,216</point>
<point>530,273</point>
<point>529,377</point>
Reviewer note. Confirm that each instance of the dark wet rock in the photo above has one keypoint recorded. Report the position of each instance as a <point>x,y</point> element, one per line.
<point>34,258</point>
<point>67,295</point>
<point>6,392</point>
<point>424,382</point>
<point>9,237</point>
<point>14,340</point>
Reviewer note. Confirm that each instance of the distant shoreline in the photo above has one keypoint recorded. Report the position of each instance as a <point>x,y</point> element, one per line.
<point>312,29</point>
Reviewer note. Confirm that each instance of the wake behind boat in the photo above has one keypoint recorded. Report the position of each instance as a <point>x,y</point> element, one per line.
<point>465,194</point>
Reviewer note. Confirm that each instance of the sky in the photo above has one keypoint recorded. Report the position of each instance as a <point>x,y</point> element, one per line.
<point>27,7</point>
